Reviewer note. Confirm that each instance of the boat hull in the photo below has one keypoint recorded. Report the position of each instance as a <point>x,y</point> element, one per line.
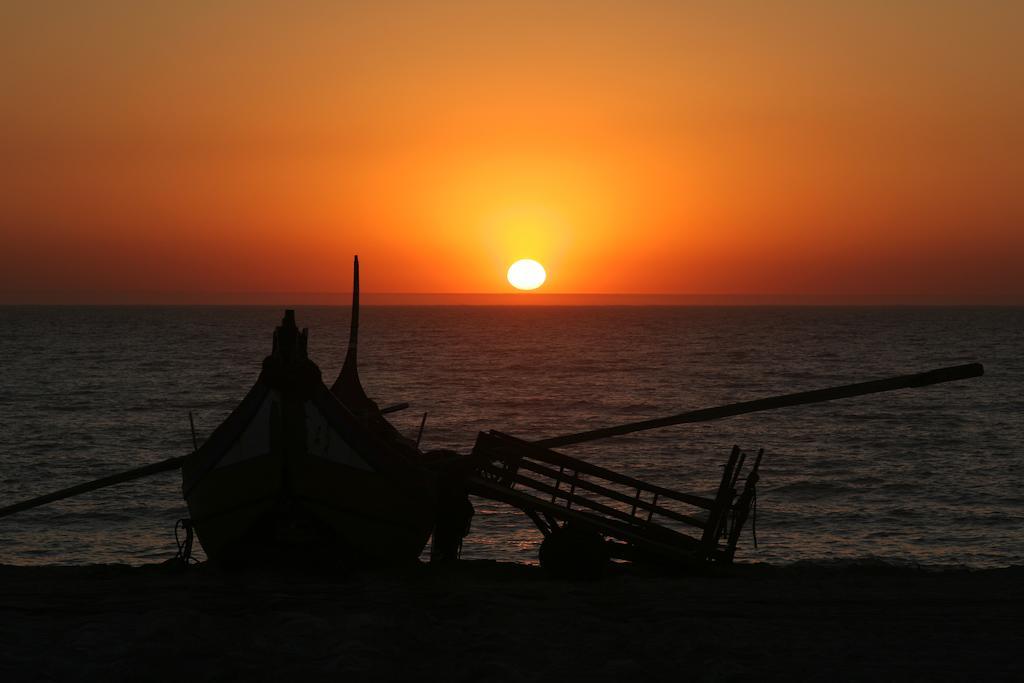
<point>294,474</point>
<point>308,511</point>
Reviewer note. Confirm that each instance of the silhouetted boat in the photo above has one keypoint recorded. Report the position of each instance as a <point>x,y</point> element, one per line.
<point>304,474</point>
<point>312,472</point>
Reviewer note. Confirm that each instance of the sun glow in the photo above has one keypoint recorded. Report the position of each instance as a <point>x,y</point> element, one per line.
<point>526,274</point>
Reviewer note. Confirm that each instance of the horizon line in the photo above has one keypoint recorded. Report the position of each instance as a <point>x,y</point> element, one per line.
<point>343,298</point>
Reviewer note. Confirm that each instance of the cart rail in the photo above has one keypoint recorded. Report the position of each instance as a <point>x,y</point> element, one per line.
<point>555,489</point>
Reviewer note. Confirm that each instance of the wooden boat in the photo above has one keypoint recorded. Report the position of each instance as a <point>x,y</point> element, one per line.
<point>314,473</point>
<point>310,474</point>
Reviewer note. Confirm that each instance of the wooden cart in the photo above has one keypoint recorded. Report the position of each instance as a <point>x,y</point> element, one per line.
<point>631,518</point>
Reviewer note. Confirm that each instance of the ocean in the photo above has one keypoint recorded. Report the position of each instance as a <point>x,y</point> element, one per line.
<point>931,476</point>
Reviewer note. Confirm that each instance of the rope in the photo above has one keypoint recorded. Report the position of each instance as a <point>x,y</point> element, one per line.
<point>753,517</point>
<point>184,547</point>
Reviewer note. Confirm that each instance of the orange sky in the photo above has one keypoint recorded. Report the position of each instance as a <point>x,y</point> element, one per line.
<point>847,152</point>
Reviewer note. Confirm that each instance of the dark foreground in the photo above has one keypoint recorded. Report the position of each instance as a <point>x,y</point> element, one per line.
<point>502,622</point>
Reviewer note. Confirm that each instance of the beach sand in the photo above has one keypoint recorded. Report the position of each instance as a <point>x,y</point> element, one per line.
<point>485,621</point>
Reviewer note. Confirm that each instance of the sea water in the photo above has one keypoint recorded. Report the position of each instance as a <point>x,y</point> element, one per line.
<point>933,476</point>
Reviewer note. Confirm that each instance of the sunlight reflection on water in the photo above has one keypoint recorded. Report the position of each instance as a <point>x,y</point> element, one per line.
<point>931,476</point>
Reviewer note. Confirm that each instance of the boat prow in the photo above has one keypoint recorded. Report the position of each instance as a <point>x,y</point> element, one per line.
<point>347,387</point>
<point>295,470</point>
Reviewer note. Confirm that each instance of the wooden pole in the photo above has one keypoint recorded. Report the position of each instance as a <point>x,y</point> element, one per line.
<point>818,396</point>
<point>121,477</point>
<point>419,434</point>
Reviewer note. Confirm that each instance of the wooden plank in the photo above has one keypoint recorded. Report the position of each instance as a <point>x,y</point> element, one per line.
<point>683,550</point>
<point>583,467</point>
<point>541,525</point>
<point>571,498</point>
<point>558,481</point>
<point>742,508</point>
<point>515,448</point>
<point>736,472</point>
<point>604,509</point>
<point>722,501</point>
<point>617,496</point>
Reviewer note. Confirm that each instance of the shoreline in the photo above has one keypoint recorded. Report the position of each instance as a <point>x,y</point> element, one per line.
<point>484,620</point>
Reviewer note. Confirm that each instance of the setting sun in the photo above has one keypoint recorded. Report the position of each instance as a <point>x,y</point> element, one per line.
<point>526,274</point>
<point>839,153</point>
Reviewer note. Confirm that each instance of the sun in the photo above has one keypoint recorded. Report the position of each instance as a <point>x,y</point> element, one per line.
<point>526,274</point>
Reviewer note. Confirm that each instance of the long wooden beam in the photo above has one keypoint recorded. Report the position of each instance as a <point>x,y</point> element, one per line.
<point>921,379</point>
<point>119,478</point>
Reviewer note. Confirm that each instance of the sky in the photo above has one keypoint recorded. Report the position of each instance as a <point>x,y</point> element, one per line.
<point>844,152</point>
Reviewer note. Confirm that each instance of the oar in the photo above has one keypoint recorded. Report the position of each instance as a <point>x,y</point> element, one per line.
<point>393,409</point>
<point>921,379</point>
<point>121,477</point>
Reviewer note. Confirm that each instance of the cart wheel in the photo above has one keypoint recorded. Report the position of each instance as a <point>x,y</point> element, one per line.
<point>570,552</point>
